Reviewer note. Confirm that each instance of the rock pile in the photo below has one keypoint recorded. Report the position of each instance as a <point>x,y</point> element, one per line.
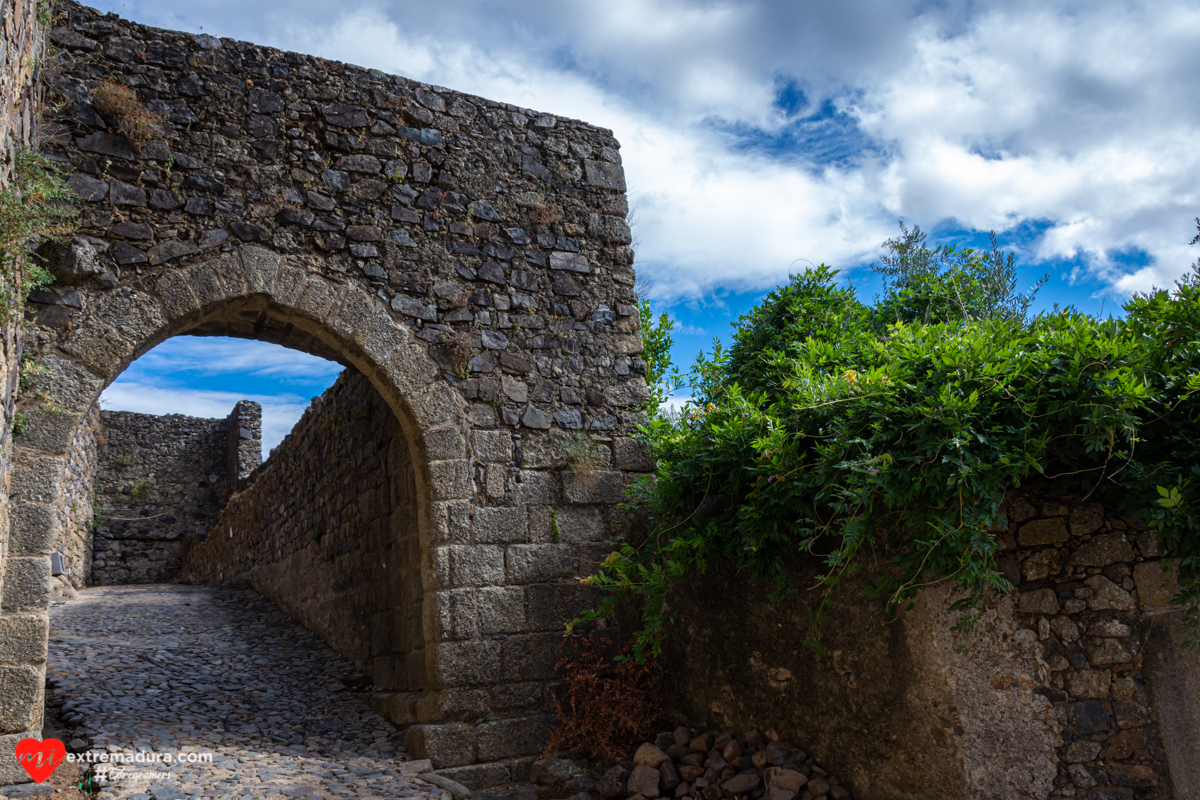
<point>707,766</point>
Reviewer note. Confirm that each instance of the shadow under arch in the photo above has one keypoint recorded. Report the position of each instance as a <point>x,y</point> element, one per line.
<point>250,292</point>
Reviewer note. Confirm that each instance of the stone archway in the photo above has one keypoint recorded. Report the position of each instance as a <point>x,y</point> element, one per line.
<point>475,559</point>
<point>469,257</point>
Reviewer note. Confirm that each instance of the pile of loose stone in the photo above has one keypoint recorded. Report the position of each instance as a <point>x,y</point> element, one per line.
<point>707,766</point>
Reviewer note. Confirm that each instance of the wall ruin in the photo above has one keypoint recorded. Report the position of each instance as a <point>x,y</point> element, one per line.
<point>162,482</point>
<point>243,445</point>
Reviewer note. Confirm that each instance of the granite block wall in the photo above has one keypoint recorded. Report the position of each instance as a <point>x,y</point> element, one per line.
<point>24,565</point>
<point>327,528</point>
<point>74,541</point>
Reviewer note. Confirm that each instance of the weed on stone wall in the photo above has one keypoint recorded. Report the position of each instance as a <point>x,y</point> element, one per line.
<point>46,13</point>
<point>460,349</point>
<point>37,206</point>
<point>581,453</point>
<point>138,123</point>
<point>30,370</point>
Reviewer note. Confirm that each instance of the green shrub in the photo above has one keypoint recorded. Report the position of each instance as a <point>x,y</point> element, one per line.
<point>841,430</point>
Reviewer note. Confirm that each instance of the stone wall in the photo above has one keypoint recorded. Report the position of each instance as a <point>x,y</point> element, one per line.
<point>161,481</point>
<point>327,529</point>
<point>1053,697</point>
<point>1093,589</point>
<point>74,541</point>
<point>243,444</point>
<point>24,563</point>
<point>469,257</point>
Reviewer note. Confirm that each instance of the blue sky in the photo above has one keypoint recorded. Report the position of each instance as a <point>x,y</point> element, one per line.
<point>762,136</point>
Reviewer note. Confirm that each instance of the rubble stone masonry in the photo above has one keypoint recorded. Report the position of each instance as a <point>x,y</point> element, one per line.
<point>25,562</point>
<point>1072,686</point>
<point>469,258</point>
<point>327,530</point>
<point>162,481</point>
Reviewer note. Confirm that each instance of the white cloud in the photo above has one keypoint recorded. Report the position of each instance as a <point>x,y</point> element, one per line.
<point>676,403</point>
<point>163,381</point>
<point>209,356</point>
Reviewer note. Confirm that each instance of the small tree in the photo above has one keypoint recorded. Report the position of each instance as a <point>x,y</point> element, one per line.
<point>662,377</point>
<point>948,284</point>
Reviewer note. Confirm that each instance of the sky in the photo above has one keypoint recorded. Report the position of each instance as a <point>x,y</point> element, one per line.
<point>761,137</point>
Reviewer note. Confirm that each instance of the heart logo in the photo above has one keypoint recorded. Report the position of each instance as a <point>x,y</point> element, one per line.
<point>40,757</point>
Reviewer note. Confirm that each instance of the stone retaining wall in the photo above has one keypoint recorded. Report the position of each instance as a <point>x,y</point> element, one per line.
<point>1072,687</point>
<point>327,529</point>
<point>161,481</point>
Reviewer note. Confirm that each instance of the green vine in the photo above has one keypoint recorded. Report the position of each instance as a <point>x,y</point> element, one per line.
<point>883,439</point>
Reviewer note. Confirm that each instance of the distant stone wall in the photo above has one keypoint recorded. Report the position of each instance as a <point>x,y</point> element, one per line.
<point>327,529</point>
<point>160,481</point>
<point>74,539</point>
<point>1074,686</point>
<point>243,444</point>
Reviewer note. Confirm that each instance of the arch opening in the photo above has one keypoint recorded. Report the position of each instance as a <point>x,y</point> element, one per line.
<point>331,529</point>
<point>325,526</point>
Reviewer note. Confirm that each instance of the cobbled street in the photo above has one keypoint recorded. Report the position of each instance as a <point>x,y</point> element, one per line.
<point>171,669</point>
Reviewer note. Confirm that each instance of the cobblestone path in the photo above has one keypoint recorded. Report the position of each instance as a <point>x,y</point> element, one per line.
<point>183,669</point>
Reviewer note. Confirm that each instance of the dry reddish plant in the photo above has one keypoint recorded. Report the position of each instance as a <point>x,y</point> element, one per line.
<point>138,123</point>
<point>545,215</point>
<point>605,706</point>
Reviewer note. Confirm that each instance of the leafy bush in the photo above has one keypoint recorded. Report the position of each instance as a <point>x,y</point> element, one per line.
<point>662,379</point>
<point>845,431</point>
<point>604,707</point>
